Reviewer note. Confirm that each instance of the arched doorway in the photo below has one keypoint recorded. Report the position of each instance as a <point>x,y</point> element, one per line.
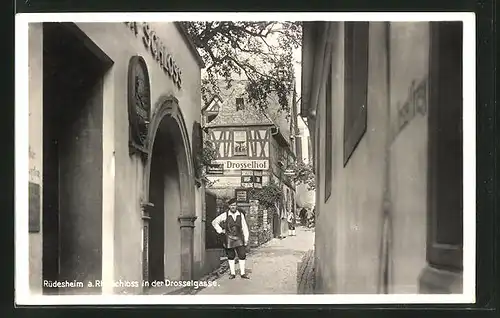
<point>169,189</point>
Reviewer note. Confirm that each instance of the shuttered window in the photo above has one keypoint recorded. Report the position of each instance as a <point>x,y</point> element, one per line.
<point>355,84</point>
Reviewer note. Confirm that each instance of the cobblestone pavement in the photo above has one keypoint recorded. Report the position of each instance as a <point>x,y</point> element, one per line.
<point>272,268</point>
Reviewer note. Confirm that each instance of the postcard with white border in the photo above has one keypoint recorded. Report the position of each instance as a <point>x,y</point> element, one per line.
<point>202,158</point>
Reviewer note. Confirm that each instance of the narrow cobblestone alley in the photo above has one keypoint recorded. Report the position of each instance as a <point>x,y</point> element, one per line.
<point>272,268</point>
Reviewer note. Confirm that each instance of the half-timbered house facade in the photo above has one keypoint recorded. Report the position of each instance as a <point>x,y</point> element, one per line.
<point>252,148</point>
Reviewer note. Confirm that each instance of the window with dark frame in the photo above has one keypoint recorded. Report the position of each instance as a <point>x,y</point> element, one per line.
<point>356,41</point>
<point>240,103</point>
<point>328,135</point>
<point>240,143</point>
<point>298,141</point>
<point>445,174</point>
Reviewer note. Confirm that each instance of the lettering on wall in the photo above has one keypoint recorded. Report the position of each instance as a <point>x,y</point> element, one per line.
<point>155,46</point>
<point>31,153</point>
<point>243,164</point>
<point>415,104</point>
<point>34,172</point>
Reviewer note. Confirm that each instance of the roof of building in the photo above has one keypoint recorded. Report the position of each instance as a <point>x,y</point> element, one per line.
<point>228,114</point>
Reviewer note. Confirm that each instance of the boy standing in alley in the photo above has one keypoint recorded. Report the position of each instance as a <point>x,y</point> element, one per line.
<point>233,226</point>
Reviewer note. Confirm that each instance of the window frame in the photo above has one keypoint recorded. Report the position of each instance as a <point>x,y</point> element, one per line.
<point>328,135</point>
<point>356,73</point>
<point>240,154</point>
<point>240,103</point>
<point>443,255</point>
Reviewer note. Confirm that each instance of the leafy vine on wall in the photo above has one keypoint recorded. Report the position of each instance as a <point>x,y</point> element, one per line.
<point>269,195</point>
<point>204,157</point>
<point>303,174</point>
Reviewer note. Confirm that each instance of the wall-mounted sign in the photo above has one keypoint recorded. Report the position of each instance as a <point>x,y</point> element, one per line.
<point>34,207</point>
<point>241,195</point>
<point>139,102</point>
<point>215,168</point>
<point>246,178</point>
<point>224,181</point>
<point>257,179</point>
<point>153,44</point>
<point>244,164</point>
<point>251,178</point>
<point>289,172</point>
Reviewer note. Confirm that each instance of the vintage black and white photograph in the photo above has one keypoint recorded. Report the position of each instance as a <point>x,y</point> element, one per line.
<point>231,158</point>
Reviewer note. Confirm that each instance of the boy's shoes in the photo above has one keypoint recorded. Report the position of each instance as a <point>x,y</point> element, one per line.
<point>232,276</point>
<point>245,276</point>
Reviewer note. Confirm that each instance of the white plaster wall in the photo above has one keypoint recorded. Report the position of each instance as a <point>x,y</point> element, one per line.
<point>35,136</point>
<point>409,42</point>
<point>120,44</point>
<point>348,227</point>
<point>349,224</point>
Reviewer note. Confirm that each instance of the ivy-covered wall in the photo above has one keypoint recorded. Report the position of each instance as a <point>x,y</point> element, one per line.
<point>259,223</point>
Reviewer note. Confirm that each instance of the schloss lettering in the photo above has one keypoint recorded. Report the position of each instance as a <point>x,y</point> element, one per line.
<point>154,45</point>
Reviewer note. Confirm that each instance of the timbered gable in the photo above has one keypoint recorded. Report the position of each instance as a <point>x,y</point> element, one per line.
<point>241,142</point>
<point>258,140</point>
<point>222,142</point>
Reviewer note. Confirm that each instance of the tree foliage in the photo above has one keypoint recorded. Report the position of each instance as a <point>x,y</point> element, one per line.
<point>304,174</point>
<point>262,52</point>
<point>269,195</point>
<point>204,157</point>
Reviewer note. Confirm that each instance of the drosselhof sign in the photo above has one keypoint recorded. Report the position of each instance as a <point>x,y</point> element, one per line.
<point>243,164</point>
<point>157,49</point>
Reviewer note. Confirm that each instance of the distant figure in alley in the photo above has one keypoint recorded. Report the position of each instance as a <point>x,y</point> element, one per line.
<point>303,217</point>
<point>233,226</point>
<point>291,223</point>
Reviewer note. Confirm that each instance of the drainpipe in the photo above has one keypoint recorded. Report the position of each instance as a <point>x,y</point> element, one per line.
<point>387,216</point>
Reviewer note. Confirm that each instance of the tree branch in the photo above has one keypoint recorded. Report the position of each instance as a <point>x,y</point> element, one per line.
<point>226,47</point>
